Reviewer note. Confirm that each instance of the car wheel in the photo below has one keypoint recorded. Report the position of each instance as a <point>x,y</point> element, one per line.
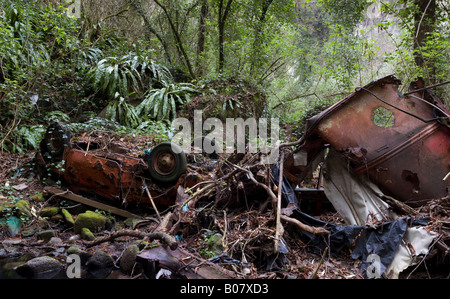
<point>56,139</point>
<point>166,162</point>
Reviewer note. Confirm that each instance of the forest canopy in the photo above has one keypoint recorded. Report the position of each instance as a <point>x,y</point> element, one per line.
<point>140,63</point>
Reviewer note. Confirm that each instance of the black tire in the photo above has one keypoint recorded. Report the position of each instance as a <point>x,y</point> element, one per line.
<point>166,163</point>
<point>56,139</point>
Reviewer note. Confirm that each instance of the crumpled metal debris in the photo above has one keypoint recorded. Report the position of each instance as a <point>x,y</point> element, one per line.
<point>373,143</point>
<point>401,142</point>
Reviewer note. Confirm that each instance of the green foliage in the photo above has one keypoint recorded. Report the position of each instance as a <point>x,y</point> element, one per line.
<point>158,131</point>
<point>162,103</point>
<point>29,137</point>
<point>298,54</point>
<point>129,73</point>
<point>298,119</point>
<point>347,13</point>
<point>346,57</point>
<point>433,50</point>
<point>122,111</point>
<point>56,116</point>
<point>42,69</point>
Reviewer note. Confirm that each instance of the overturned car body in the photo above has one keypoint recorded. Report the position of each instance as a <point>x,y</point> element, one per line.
<point>373,145</point>
<point>401,142</point>
<point>108,170</point>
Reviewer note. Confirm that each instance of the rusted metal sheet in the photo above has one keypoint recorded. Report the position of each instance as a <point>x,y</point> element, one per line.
<point>114,176</point>
<point>89,172</point>
<point>398,141</point>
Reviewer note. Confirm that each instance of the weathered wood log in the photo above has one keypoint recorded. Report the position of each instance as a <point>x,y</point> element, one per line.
<point>398,206</point>
<point>89,202</point>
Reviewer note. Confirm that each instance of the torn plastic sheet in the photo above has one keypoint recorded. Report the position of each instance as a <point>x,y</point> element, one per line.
<point>341,236</point>
<point>419,239</point>
<point>382,240</point>
<point>354,197</point>
<point>359,201</point>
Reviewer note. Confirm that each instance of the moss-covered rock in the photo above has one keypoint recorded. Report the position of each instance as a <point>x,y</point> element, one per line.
<point>128,258</point>
<point>67,217</point>
<point>23,207</point>
<point>86,234</point>
<point>44,267</point>
<point>91,220</point>
<point>29,232</point>
<point>45,234</point>
<point>49,212</point>
<point>84,256</point>
<point>100,259</point>
<point>39,197</point>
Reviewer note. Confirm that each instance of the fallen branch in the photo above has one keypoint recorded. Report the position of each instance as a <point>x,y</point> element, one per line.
<point>398,206</point>
<point>151,200</point>
<point>167,239</point>
<point>278,217</point>
<point>302,226</point>
<point>56,192</point>
<point>265,187</point>
<point>313,276</point>
<point>311,229</point>
<point>200,192</point>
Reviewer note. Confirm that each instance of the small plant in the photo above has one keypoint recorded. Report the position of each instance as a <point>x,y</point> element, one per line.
<point>123,112</point>
<point>206,250</point>
<point>211,244</point>
<point>162,103</point>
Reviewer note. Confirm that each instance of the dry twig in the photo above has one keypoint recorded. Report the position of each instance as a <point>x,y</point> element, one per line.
<point>280,190</point>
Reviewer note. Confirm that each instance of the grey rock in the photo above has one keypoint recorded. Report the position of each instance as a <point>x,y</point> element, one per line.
<point>100,259</point>
<point>43,267</point>
<point>128,258</point>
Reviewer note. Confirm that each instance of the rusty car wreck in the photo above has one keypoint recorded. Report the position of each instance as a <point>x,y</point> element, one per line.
<point>108,170</point>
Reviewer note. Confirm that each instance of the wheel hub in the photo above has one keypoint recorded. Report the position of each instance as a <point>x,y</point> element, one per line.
<point>164,163</point>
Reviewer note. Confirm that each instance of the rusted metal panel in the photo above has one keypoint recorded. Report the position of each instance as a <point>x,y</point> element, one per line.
<point>394,139</point>
<point>113,176</point>
<point>87,172</point>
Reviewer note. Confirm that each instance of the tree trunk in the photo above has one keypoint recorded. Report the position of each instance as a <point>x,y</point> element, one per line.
<point>223,14</point>
<point>259,34</point>
<point>150,29</point>
<point>201,38</point>
<point>424,25</point>
<point>177,38</point>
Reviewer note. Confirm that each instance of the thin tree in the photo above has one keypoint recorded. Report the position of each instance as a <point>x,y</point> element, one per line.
<point>177,37</point>
<point>222,18</point>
